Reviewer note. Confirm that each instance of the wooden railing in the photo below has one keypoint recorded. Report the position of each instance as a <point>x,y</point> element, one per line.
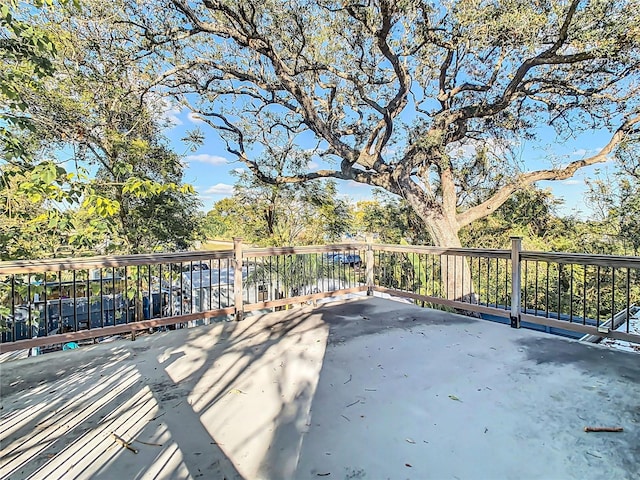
<point>62,300</point>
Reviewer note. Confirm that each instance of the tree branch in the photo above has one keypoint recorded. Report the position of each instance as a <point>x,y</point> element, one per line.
<point>502,195</point>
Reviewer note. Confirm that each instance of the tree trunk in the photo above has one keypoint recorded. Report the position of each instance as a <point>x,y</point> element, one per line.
<point>455,273</point>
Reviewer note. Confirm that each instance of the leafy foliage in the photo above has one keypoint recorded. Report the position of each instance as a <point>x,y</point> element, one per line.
<point>392,219</point>
<point>616,201</point>
<point>92,154</point>
<point>280,215</point>
<point>430,102</point>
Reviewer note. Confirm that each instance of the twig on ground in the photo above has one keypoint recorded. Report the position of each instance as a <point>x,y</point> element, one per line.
<point>148,443</point>
<point>603,429</point>
<point>124,443</point>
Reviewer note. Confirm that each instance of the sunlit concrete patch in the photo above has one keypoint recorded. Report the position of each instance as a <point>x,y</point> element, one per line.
<point>434,395</point>
<point>259,408</point>
<point>230,400</point>
<point>252,389</point>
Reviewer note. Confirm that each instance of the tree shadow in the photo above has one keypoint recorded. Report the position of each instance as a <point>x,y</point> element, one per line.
<point>228,400</point>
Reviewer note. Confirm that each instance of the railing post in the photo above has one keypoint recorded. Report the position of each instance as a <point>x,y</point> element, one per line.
<point>237,278</point>
<point>369,259</point>
<point>516,281</point>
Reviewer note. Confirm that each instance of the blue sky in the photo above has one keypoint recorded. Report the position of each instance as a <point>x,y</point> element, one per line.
<point>210,168</point>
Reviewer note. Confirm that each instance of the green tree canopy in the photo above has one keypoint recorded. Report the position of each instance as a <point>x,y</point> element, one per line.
<point>266,214</point>
<point>426,100</point>
<point>97,158</point>
<point>616,200</point>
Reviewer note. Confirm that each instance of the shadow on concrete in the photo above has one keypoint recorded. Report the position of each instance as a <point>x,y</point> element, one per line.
<point>193,403</point>
<point>359,389</point>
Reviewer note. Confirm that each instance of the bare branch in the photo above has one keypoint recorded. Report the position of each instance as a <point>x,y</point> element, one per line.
<point>502,195</point>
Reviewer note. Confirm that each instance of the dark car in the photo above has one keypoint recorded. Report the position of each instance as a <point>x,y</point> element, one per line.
<point>194,266</point>
<point>350,259</point>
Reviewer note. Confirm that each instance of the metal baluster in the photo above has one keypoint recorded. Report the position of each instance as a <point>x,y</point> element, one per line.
<point>479,279</point>
<point>13,307</point>
<point>162,307</point>
<point>584,295</point>
<point>497,281</point>
<point>88,299</point>
<point>628,300</point>
<point>613,297</point>
<point>546,294</point>
<point>571,295</point>
<point>559,290</point>
<point>113,294</point>
<point>29,314</point>
<point>45,306</point>
<point>526,283</point>
<point>598,296</point>
<point>59,298</point>
<point>101,300</point>
<point>75,301</point>
<point>488,281</point>
<point>536,290</point>
<point>125,298</point>
<point>507,302</point>
<point>220,283</point>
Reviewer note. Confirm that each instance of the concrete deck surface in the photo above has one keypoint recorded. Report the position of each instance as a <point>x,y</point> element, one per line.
<point>362,389</point>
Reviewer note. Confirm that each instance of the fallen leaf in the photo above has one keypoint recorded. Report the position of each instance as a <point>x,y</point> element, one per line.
<point>236,391</point>
<point>453,397</point>
<point>408,465</point>
<point>408,440</point>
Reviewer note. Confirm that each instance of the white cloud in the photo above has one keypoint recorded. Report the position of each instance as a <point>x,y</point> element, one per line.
<point>238,171</point>
<point>573,182</point>
<point>170,112</point>
<point>354,184</point>
<point>313,165</point>
<point>166,110</point>
<point>469,147</point>
<point>583,152</point>
<point>206,158</point>
<point>219,189</point>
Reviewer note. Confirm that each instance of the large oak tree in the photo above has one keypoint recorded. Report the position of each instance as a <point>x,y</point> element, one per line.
<point>421,98</point>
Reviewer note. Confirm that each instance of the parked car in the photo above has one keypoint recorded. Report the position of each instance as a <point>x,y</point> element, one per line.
<point>350,259</point>
<point>194,266</point>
